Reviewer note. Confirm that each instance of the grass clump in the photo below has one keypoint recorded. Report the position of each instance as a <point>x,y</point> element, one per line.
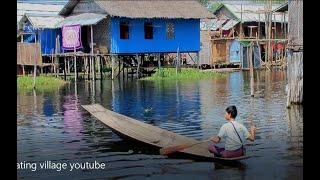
<point>44,83</point>
<point>185,74</point>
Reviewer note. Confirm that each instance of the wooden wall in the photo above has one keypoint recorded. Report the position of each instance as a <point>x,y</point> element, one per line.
<point>28,54</point>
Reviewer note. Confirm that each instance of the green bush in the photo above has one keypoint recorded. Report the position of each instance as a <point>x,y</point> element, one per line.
<point>42,83</point>
<point>186,73</point>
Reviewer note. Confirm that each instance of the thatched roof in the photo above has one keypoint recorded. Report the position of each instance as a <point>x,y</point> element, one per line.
<point>185,9</point>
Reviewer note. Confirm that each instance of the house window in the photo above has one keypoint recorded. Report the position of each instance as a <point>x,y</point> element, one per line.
<point>170,31</point>
<point>148,30</point>
<point>124,30</point>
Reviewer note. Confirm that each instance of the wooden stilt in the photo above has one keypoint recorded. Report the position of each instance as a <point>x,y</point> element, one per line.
<point>122,62</point>
<point>177,60</point>
<point>23,71</point>
<point>85,66</point>
<point>138,68</point>
<point>68,61</point>
<point>159,63</point>
<point>75,64</point>
<point>101,66</point>
<point>112,66</point>
<point>93,68</point>
<point>198,60</point>
<point>34,75</point>
<point>119,67</point>
<point>65,69</point>
<point>93,64</point>
<point>88,67</point>
<point>251,72</point>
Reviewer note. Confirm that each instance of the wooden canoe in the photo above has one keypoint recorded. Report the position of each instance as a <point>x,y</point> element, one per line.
<point>151,135</point>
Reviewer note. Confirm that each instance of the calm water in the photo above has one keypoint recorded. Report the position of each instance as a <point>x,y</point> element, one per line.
<point>54,127</point>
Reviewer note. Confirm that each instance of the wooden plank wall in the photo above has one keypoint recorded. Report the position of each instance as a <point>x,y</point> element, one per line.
<point>219,54</point>
<point>28,53</point>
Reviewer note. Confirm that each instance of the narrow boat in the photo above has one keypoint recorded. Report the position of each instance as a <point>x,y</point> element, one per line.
<point>152,135</point>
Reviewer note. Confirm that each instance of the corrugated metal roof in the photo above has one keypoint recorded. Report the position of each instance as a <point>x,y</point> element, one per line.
<point>215,24</point>
<point>82,19</point>
<point>282,8</point>
<point>45,22</point>
<point>33,8</point>
<point>211,24</point>
<point>250,12</point>
<point>230,24</point>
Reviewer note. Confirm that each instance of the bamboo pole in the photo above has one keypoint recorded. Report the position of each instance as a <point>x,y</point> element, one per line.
<point>93,64</point>
<point>241,22</point>
<point>122,63</point>
<point>56,60</point>
<point>68,61</point>
<point>23,71</point>
<point>259,28</point>
<point>159,64</point>
<point>198,59</point>
<point>112,66</point>
<point>251,72</point>
<point>34,74</point>
<point>85,66</point>
<point>75,64</point>
<point>65,69</point>
<point>275,26</point>
<point>138,68</point>
<point>101,66</point>
<point>119,67</point>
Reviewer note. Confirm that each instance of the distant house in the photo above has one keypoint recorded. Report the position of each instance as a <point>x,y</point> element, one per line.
<point>41,28</point>
<point>252,17</point>
<point>137,27</point>
<point>246,21</point>
<point>36,34</point>
<point>36,22</point>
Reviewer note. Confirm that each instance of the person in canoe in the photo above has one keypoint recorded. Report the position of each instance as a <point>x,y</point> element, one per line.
<point>234,134</point>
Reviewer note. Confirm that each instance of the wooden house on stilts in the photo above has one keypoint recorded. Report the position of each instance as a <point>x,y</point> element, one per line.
<point>136,33</point>
<point>237,24</point>
<point>36,35</point>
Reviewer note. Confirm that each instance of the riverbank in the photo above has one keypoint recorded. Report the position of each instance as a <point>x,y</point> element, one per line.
<point>44,83</point>
<point>185,74</point>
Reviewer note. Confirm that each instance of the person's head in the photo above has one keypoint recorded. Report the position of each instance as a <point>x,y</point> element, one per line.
<point>231,113</point>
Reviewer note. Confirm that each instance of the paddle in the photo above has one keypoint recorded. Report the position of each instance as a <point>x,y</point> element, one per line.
<point>175,148</point>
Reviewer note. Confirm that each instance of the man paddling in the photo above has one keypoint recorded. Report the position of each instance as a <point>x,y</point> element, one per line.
<point>234,134</point>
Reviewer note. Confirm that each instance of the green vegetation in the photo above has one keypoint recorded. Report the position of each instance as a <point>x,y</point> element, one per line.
<point>185,74</point>
<point>266,1</point>
<point>106,69</point>
<point>204,2</point>
<point>43,83</point>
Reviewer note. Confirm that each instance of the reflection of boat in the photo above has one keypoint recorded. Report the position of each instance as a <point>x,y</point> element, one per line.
<point>151,135</point>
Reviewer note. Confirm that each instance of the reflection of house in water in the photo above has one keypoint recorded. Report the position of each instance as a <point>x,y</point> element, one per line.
<point>72,116</point>
<point>48,109</point>
<point>213,94</point>
<point>295,130</point>
<point>29,104</point>
<point>159,102</point>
